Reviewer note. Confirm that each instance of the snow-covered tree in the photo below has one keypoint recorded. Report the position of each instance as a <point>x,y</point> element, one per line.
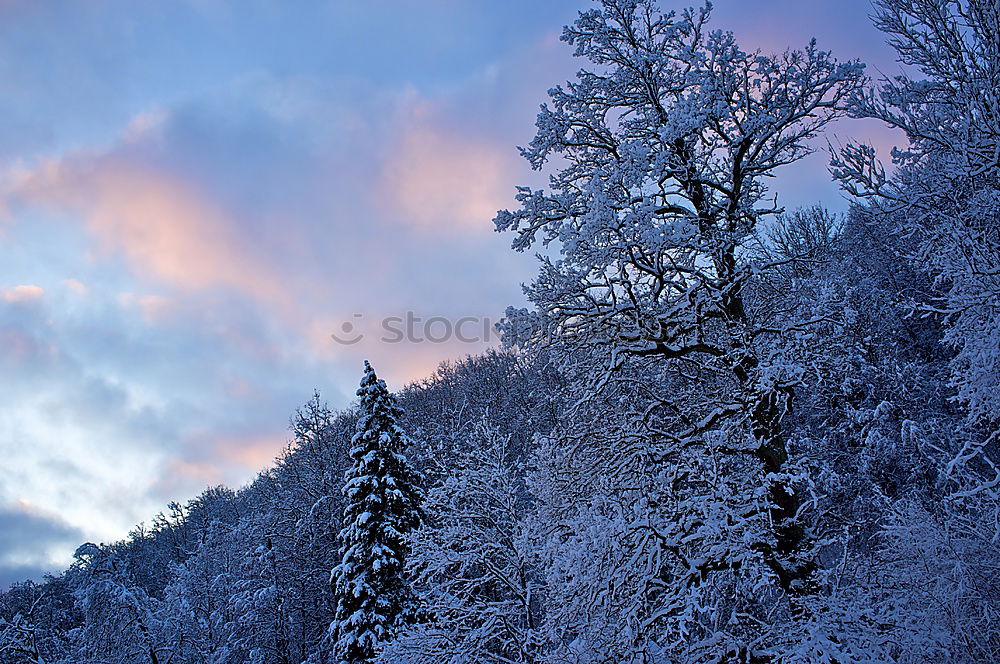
<point>120,618</point>
<point>383,506</point>
<point>940,206</point>
<point>284,605</point>
<point>664,149</point>
<point>19,639</point>
<point>474,562</point>
<point>35,621</point>
<point>945,193</point>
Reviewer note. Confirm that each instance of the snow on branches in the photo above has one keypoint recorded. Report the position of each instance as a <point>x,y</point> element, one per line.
<point>382,507</point>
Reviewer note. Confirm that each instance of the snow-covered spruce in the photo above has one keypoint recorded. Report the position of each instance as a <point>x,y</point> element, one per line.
<point>382,506</point>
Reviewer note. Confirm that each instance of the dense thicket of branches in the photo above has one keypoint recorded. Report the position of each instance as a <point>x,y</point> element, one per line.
<point>723,433</point>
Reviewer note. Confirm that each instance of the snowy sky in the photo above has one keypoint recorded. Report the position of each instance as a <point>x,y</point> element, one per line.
<point>194,195</point>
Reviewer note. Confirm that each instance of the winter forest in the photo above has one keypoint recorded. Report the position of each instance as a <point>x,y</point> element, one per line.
<point>723,432</point>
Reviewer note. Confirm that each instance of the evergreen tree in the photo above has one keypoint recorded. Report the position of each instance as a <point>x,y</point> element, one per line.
<point>383,506</point>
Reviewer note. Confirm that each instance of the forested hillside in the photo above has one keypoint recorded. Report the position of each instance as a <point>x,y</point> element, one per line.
<point>723,432</point>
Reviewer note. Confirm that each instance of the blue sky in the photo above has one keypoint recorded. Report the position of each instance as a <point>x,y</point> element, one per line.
<point>194,195</point>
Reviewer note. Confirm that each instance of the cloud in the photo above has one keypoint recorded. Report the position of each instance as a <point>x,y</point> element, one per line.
<point>228,459</point>
<point>22,293</point>
<point>75,286</point>
<point>441,180</point>
<point>164,226</point>
<point>33,541</point>
<point>114,404</point>
<point>153,308</point>
<point>23,350</point>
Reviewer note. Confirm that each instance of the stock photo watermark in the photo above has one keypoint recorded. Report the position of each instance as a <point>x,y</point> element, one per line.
<point>414,329</point>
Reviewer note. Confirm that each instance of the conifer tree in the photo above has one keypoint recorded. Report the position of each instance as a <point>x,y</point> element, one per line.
<point>383,500</point>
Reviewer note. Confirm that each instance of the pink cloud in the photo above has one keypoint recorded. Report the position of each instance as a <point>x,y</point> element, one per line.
<point>20,349</point>
<point>152,308</point>
<point>182,474</point>
<point>221,460</point>
<point>165,227</point>
<point>22,293</point>
<point>438,180</point>
<point>254,452</point>
<point>75,285</point>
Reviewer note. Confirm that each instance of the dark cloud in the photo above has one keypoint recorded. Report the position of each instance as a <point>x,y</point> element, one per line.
<point>26,536</point>
<point>11,574</point>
